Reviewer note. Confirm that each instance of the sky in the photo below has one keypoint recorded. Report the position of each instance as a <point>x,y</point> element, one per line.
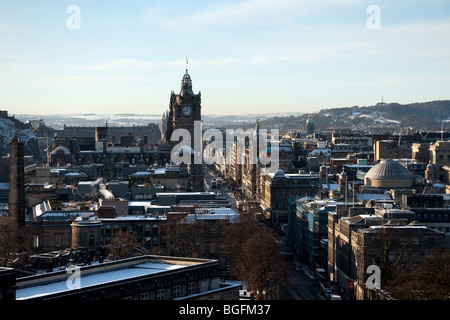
<point>244,56</point>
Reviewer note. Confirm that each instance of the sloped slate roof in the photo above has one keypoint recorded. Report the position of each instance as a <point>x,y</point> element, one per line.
<point>389,169</point>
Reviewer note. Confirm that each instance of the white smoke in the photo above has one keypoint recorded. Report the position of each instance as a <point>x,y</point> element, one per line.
<point>107,195</point>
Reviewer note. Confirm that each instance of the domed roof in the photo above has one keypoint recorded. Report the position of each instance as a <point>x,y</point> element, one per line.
<point>389,169</point>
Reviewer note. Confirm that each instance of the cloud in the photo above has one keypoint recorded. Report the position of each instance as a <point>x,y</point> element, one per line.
<point>141,65</point>
<point>6,27</point>
<point>238,13</point>
<point>260,59</point>
<point>118,65</point>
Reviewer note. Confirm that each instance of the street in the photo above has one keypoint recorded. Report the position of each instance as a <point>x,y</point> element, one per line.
<point>227,194</point>
<point>297,285</point>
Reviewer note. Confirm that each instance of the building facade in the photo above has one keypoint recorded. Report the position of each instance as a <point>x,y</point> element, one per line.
<point>359,237</point>
<point>439,155</point>
<point>279,187</point>
<point>308,231</point>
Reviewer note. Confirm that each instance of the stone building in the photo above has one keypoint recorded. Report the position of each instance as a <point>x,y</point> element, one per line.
<point>385,149</point>
<point>308,231</point>
<point>439,155</point>
<point>357,238</point>
<point>279,187</point>
<point>90,145</point>
<point>421,152</point>
<point>87,237</point>
<point>356,139</point>
<point>409,243</point>
<point>209,224</point>
<point>172,178</point>
<point>52,231</point>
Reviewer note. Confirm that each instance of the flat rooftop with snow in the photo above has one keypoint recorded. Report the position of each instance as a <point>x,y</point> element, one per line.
<point>140,278</point>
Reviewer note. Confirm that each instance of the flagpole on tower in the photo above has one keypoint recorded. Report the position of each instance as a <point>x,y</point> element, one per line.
<point>187,64</point>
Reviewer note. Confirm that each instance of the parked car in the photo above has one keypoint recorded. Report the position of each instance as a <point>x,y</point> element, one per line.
<point>298,268</point>
<point>327,293</point>
<point>335,297</point>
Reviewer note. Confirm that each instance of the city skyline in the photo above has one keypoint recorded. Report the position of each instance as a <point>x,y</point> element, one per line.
<point>244,56</point>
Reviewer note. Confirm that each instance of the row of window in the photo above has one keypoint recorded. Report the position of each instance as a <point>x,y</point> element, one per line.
<point>57,240</point>
<point>433,217</point>
<point>161,294</point>
<point>139,228</point>
<point>441,157</point>
<point>155,241</point>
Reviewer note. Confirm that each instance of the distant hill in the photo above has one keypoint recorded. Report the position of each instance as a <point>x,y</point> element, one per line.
<point>380,117</point>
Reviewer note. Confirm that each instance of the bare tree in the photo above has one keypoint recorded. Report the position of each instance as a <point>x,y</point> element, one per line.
<point>254,257</point>
<point>391,253</point>
<point>12,240</point>
<point>183,238</point>
<point>429,280</point>
<point>122,245</point>
<point>238,233</point>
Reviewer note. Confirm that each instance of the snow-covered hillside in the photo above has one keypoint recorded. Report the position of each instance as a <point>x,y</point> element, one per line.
<point>10,127</point>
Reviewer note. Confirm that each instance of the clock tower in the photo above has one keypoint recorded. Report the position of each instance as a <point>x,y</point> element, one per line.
<point>185,106</point>
<point>184,110</point>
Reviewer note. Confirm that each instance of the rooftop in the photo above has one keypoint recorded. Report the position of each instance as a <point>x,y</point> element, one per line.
<point>389,169</point>
<point>109,272</point>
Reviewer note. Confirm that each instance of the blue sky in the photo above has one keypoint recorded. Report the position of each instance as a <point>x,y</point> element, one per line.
<point>247,56</point>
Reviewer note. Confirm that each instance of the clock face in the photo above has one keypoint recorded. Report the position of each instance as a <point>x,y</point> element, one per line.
<point>187,111</point>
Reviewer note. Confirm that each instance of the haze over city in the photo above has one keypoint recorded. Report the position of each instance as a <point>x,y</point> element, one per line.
<point>244,56</point>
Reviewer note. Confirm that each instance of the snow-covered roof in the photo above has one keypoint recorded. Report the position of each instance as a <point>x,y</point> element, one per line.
<point>373,196</point>
<point>142,173</point>
<point>318,151</point>
<point>88,279</point>
<point>213,214</point>
<point>61,148</point>
<point>75,174</point>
